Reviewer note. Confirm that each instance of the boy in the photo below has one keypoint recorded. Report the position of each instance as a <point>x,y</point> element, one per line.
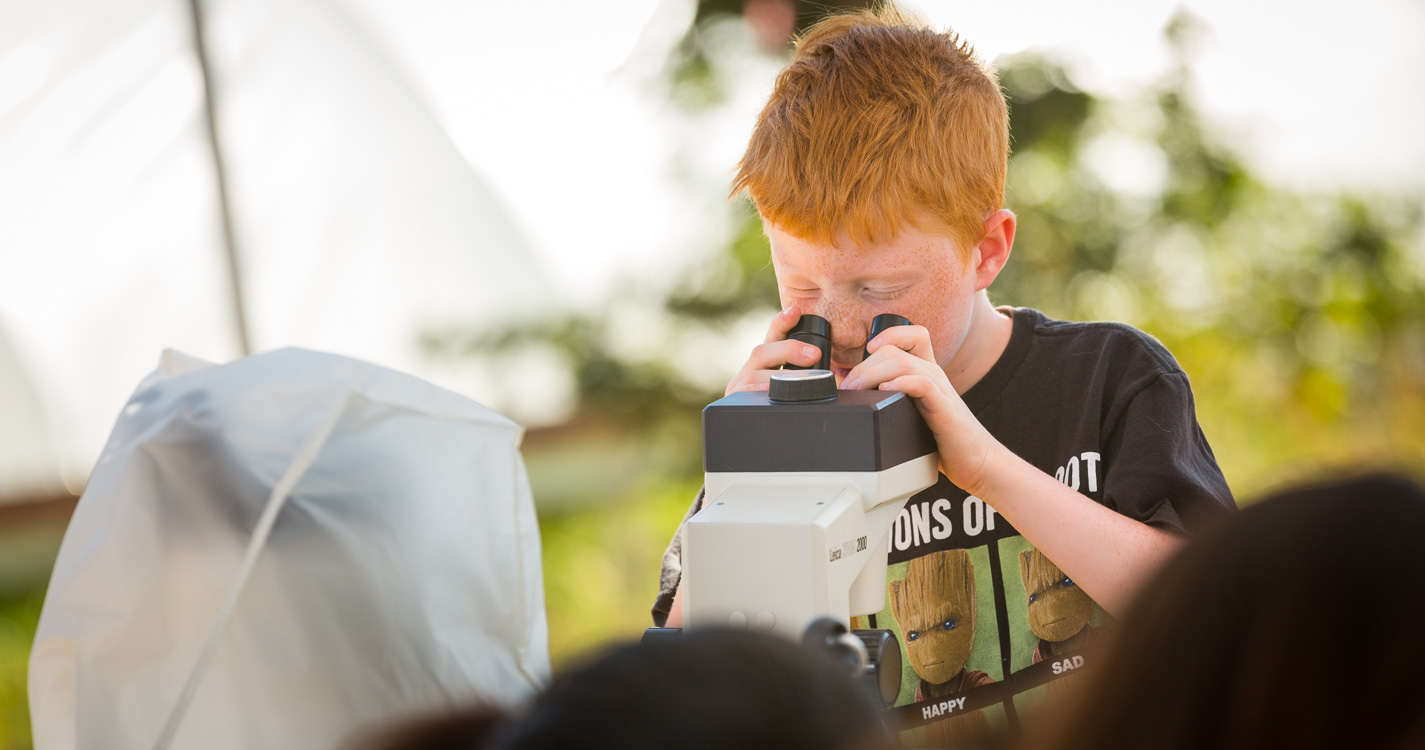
<point>878,168</point>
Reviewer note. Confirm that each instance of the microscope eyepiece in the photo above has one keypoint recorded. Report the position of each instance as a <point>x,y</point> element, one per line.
<point>880,323</point>
<point>814,330</point>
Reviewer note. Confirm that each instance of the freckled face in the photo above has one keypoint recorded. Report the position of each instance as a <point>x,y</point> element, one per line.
<point>921,276</point>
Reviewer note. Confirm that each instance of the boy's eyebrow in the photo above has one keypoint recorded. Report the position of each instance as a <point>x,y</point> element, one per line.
<point>896,277</point>
<point>901,276</point>
<point>888,278</point>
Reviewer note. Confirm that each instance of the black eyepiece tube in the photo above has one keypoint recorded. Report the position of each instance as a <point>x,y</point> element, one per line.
<point>814,330</point>
<point>880,323</point>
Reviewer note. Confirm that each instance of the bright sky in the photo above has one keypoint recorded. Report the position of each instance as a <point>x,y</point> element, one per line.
<point>1318,95</point>
<point>562,119</point>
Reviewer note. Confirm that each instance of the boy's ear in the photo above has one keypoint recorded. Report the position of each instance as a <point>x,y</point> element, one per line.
<point>993,251</point>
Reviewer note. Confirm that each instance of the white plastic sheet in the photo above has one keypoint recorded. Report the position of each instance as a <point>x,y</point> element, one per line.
<point>361,227</point>
<point>285,550</point>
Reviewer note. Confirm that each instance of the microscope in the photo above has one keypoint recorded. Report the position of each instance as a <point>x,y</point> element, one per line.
<point>803,482</point>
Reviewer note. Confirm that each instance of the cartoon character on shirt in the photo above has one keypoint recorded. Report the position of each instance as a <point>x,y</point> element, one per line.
<point>934,605</point>
<point>1059,613</point>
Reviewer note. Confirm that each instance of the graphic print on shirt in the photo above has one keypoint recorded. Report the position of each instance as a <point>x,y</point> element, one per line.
<point>1059,614</point>
<point>934,605</point>
<point>1018,625</point>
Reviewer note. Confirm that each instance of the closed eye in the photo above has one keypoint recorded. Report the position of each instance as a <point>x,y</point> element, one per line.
<point>883,294</point>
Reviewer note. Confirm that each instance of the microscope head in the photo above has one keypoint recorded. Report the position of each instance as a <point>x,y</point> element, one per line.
<point>803,482</point>
<point>802,425</point>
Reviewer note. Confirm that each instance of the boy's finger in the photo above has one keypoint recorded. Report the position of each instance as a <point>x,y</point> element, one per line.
<point>748,381</point>
<point>871,372</point>
<point>767,358</point>
<point>782,324</point>
<point>914,340</point>
<point>915,385</point>
<point>910,385</point>
<point>774,354</point>
<point>754,381</point>
<point>887,364</point>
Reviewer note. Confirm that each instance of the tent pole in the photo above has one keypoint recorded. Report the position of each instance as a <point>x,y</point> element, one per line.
<point>220,173</point>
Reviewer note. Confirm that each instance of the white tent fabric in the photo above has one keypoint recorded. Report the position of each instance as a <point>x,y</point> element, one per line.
<point>359,224</point>
<point>281,551</point>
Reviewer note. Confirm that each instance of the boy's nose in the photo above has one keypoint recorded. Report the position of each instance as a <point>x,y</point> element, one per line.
<point>848,334</point>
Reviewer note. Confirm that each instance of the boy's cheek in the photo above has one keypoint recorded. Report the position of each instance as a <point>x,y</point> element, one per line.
<point>947,323</point>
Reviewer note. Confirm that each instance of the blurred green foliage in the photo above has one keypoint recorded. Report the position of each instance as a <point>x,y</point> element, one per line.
<point>19,616</point>
<point>601,568</point>
<point>1299,317</point>
<point>22,590</point>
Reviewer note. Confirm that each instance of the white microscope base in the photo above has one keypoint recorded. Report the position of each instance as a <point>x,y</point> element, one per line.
<point>774,551</point>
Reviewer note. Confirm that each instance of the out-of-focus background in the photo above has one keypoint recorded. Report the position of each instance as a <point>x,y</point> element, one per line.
<point>526,203</point>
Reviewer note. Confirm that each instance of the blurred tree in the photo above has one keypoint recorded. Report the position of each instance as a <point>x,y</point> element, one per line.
<point>696,63</point>
<point>1300,318</point>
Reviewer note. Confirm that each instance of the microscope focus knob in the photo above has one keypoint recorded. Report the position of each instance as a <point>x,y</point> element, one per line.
<point>801,385</point>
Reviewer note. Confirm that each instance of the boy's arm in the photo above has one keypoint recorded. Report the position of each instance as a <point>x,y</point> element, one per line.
<point>667,609</point>
<point>1110,555</point>
<point>675,615</point>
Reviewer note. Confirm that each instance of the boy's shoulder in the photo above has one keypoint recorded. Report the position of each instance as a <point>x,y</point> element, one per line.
<point>1096,343</point>
<point>1047,357</point>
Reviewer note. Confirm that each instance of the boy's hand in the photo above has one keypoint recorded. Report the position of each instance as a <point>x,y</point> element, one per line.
<point>901,359</point>
<point>774,351</point>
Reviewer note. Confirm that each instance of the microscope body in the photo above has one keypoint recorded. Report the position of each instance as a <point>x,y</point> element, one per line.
<point>799,499</point>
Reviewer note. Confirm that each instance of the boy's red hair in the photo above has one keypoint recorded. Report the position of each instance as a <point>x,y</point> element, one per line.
<point>878,124</point>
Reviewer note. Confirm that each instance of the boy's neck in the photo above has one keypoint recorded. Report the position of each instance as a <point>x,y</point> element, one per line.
<point>985,341</point>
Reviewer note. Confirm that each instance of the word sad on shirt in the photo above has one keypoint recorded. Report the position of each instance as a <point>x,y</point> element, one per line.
<point>1073,662</point>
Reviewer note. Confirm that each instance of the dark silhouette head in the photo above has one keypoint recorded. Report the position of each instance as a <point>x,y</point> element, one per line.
<point>1295,624</point>
<point>713,690</point>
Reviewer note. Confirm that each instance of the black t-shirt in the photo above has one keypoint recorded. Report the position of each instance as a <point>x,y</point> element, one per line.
<point>1105,409</point>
